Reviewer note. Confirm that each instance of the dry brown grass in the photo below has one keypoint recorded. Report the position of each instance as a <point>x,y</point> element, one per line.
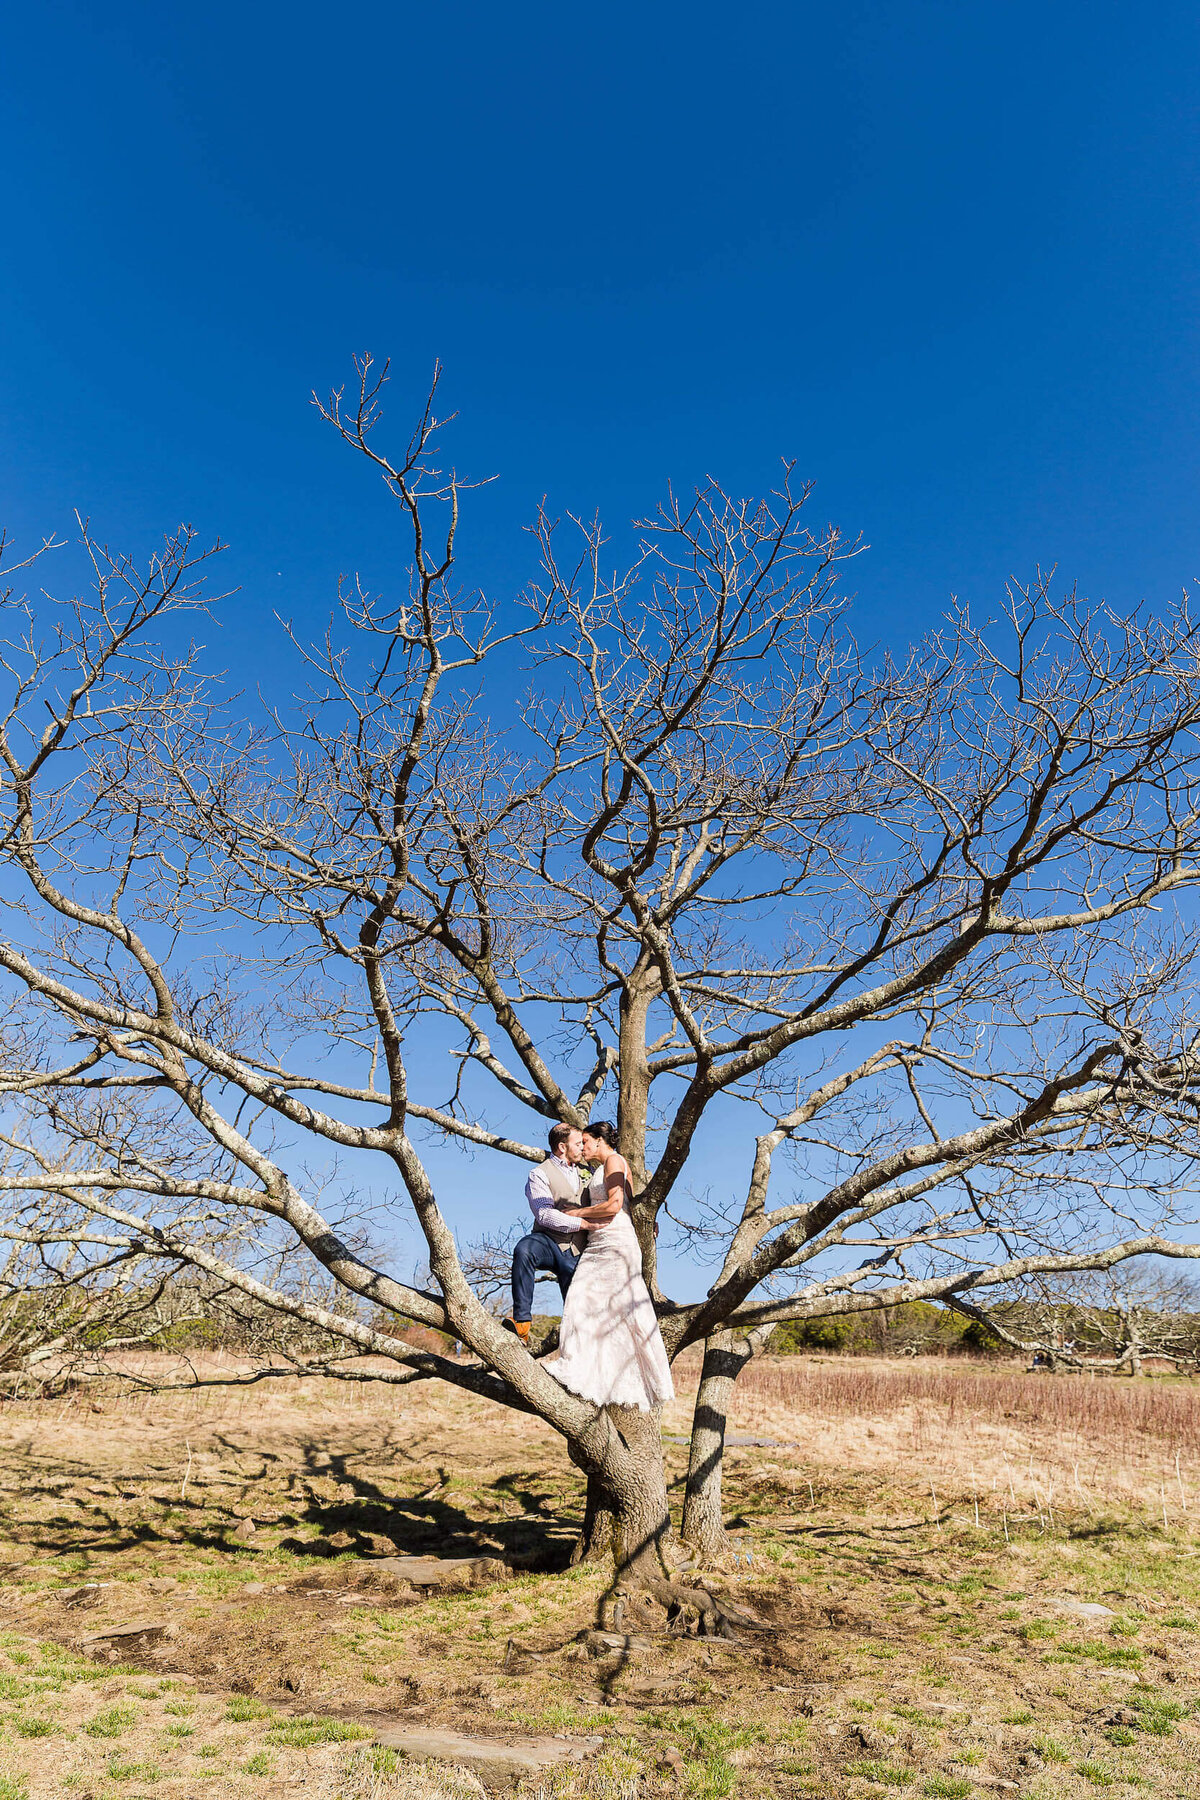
<point>934,1631</point>
<point>1116,1412</point>
<point>996,1437</point>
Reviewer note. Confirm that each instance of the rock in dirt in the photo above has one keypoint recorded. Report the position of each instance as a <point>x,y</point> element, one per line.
<point>162,1584</point>
<point>90,1594</point>
<point>611,1643</point>
<point>245,1530</point>
<point>1081,1609</point>
<point>868,1738</point>
<point>131,1634</point>
<point>433,1571</point>
<point>498,1764</point>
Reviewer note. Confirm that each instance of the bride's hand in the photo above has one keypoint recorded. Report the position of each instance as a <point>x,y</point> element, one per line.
<point>601,1212</point>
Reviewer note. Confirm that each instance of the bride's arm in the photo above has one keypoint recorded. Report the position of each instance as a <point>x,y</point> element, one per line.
<point>616,1178</point>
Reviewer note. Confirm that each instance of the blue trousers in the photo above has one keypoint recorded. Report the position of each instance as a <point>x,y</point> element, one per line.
<point>538,1251</point>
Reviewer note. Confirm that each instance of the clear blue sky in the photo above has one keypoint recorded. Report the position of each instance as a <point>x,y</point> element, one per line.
<point>943,254</point>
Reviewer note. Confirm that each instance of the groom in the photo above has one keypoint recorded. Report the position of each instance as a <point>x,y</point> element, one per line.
<point>557,1236</point>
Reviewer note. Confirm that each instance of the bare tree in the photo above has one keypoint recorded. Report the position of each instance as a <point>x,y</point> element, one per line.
<point>1107,1323</point>
<point>902,935</point>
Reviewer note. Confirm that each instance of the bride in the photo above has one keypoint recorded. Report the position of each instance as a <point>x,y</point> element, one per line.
<point>611,1352</point>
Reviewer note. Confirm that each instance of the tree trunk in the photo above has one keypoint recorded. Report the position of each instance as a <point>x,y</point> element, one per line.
<point>626,1513</point>
<point>641,1509</point>
<point>596,1535</point>
<point>703,1529</point>
<point>633,1099</point>
<point>638,1485</point>
<point>633,1067</point>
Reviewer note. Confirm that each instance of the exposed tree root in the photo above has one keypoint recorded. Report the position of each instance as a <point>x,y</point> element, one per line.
<point>716,1616</point>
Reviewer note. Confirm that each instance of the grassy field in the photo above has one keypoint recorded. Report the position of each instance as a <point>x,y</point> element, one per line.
<point>914,1537</point>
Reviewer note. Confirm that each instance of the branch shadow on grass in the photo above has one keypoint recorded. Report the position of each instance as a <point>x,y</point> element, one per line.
<point>430,1523</point>
<point>366,1519</point>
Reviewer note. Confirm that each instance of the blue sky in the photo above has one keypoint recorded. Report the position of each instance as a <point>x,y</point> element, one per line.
<point>944,255</point>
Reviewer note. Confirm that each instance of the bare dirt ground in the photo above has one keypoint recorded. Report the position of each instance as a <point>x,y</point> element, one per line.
<point>915,1538</point>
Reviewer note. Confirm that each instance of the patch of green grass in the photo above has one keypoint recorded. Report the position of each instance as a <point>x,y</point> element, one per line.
<point>915,1716</point>
<point>948,1787</point>
<point>262,1764</point>
<point>1121,1735</point>
<point>560,1715</point>
<point>113,1722</point>
<point>1095,1773</point>
<point>241,1707</point>
<point>1181,1621</point>
<point>1109,1656</point>
<point>1020,1717</point>
<point>1157,1716</point>
<point>1036,1631</point>
<point>60,1665</point>
<point>13,1687</point>
<point>301,1734</point>
<point>134,1771</point>
<point>179,1709</point>
<point>1051,1751</point>
<point>33,1728</point>
<point>180,1731</point>
<point>12,1789</point>
<point>887,1774</point>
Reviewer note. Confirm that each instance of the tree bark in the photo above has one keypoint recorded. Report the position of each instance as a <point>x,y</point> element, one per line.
<point>595,1539</point>
<point>703,1530</point>
<point>633,1100</point>
<point>642,1511</point>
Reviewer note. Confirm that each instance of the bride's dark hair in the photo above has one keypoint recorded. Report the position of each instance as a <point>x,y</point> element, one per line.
<point>605,1130</point>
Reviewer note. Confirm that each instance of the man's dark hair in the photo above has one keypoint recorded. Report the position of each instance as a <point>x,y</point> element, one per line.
<point>559,1135</point>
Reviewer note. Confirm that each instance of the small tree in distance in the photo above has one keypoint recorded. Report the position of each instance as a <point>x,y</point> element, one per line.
<point>1107,1323</point>
<point>904,934</point>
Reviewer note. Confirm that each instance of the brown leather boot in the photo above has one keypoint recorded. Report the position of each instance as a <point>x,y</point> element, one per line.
<point>519,1326</point>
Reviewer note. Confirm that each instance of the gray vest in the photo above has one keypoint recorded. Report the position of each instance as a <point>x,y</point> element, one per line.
<point>566,1187</point>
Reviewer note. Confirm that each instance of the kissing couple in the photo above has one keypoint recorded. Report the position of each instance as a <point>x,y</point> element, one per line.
<point>610,1348</point>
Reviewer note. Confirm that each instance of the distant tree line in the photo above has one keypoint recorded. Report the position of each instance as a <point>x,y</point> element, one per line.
<point>914,1328</point>
<point>1108,1325</point>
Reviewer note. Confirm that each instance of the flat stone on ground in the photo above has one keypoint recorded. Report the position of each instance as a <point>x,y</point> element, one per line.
<point>1081,1609</point>
<point>496,1762</point>
<point>435,1571</point>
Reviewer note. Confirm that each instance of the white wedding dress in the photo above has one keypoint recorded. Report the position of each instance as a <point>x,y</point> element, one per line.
<point>612,1351</point>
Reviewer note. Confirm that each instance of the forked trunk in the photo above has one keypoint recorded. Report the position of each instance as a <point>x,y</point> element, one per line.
<point>635,1483</point>
<point>703,1527</point>
<point>626,1512</point>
